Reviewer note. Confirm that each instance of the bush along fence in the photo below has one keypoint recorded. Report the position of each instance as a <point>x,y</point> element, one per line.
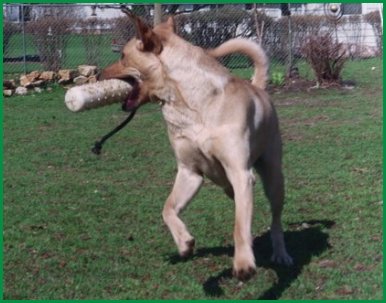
<point>49,37</point>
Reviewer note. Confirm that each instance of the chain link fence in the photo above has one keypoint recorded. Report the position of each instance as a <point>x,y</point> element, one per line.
<point>52,36</point>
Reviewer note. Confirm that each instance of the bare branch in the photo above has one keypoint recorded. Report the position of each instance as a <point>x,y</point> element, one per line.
<point>126,11</point>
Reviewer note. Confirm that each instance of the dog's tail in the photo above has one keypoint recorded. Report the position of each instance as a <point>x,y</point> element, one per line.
<point>250,49</point>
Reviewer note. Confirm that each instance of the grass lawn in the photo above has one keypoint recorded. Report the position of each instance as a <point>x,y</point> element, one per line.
<point>74,54</point>
<point>79,226</point>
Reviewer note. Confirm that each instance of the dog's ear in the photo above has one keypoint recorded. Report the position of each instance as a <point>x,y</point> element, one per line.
<point>170,22</point>
<point>148,40</point>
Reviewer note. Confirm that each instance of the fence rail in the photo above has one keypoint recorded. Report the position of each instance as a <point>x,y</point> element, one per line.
<point>52,37</point>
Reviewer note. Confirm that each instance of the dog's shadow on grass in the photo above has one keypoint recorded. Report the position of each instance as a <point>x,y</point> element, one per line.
<point>306,241</point>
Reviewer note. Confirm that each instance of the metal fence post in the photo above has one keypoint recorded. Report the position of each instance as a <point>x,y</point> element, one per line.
<point>289,42</point>
<point>157,13</point>
<point>23,38</point>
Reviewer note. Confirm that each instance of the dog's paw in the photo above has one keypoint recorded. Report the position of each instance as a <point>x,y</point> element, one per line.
<point>282,258</point>
<point>244,274</point>
<point>188,248</point>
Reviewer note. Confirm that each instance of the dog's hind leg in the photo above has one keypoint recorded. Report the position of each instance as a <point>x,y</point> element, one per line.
<point>269,169</point>
<point>186,185</point>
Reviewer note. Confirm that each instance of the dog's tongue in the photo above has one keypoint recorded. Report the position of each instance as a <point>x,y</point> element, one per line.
<point>132,100</point>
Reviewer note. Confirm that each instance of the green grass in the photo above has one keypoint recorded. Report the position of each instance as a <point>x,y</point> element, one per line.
<point>78,226</point>
<point>75,53</point>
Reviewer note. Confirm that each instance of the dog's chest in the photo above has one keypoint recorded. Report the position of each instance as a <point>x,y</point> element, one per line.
<point>184,125</point>
<point>193,145</point>
<point>178,119</point>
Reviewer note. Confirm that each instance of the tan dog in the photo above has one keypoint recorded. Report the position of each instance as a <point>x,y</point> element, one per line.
<point>219,126</point>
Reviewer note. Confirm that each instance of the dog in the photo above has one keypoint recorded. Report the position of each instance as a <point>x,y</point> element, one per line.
<point>219,126</point>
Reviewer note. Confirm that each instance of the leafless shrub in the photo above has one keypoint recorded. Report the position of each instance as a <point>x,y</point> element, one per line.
<point>92,38</point>
<point>326,57</point>
<point>302,27</point>
<point>57,12</point>
<point>211,28</point>
<point>261,24</point>
<point>49,37</point>
<point>123,28</point>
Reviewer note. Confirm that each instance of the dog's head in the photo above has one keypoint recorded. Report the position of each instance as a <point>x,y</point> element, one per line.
<point>140,64</point>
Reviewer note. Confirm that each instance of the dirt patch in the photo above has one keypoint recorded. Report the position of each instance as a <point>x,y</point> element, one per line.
<point>316,119</point>
<point>295,91</point>
<point>293,85</point>
<point>288,136</point>
<point>299,84</point>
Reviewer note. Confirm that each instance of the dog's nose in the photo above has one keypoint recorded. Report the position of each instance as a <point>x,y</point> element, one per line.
<point>113,71</point>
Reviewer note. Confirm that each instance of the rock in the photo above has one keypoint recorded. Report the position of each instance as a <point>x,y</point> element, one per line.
<point>64,81</point>
<point>33,75</point>
<point>21,91</point>
<point>9,84</point>
<point>47,76</point>
<point>92,79</point>
<point>67,74</point>
<point>80,80</point>
<point>38,90</point>
<point>87,70</point>
<point>28,79</point>
<point>38,83</point>
<point>7,92</point>
<point>24,81</point>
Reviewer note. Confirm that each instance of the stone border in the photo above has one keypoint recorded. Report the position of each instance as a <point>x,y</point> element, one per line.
<point>36,81</point>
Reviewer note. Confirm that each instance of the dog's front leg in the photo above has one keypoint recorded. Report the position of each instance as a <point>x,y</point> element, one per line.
<point>244,261</point>
<point>186,185</point>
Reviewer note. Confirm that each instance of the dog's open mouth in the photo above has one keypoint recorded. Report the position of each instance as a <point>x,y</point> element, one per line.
<point>132,101</point>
